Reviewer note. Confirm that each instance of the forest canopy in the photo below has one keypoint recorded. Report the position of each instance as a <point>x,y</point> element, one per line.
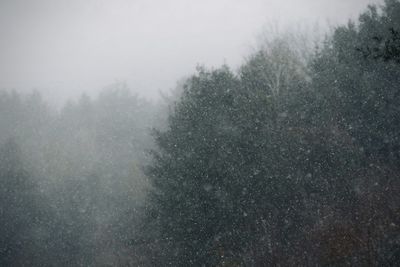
<point>290,160</point>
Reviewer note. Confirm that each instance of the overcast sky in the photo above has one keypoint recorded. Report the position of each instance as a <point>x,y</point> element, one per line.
<point>65,47</point>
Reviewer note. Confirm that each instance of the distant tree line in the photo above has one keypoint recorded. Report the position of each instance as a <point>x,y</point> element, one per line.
<point>71,179</point>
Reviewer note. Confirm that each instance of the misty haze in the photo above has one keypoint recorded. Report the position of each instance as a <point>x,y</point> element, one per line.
<point>199,133</point>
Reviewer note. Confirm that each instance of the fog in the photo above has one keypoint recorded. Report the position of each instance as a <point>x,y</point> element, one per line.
<point>64,48</point>
<point>199,133</point>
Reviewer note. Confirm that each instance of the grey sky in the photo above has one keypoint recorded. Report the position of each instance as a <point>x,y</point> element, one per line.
<point>65,47</point>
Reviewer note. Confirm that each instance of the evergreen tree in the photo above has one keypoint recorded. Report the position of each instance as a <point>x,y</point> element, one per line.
<point>194,180</point>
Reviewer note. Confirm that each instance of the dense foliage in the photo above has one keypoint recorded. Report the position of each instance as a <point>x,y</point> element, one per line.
<point>292,160</point>
<point>286,162</point>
